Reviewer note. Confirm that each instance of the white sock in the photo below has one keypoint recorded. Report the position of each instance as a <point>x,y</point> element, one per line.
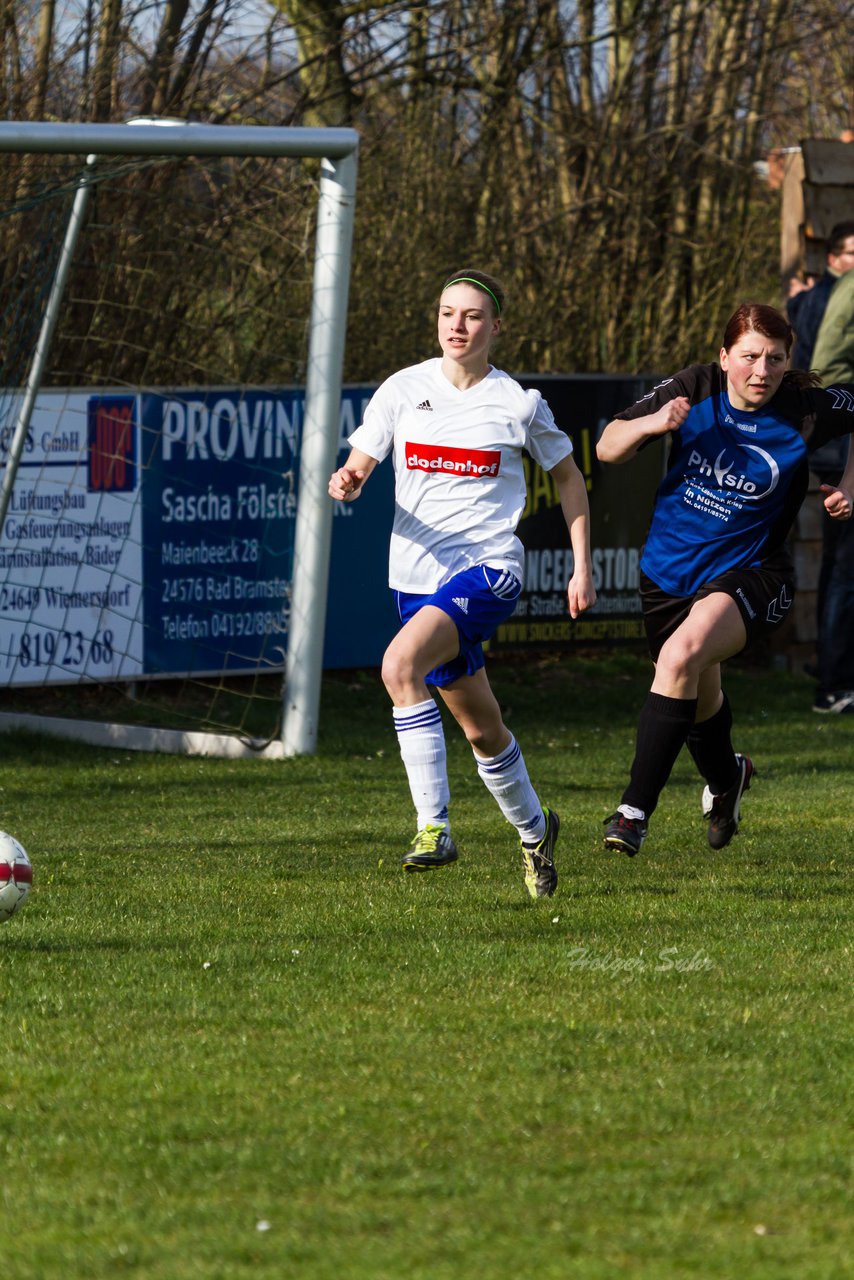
<point>506,779</point>
<point>422,749</point>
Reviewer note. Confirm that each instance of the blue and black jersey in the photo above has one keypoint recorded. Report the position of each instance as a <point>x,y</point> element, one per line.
<point>735,479</point>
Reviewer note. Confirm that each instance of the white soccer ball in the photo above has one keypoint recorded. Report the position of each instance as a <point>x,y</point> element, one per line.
<point>16,876</point>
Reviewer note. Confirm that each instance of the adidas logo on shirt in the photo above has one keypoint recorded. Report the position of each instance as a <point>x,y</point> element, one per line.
<point>425,404</point>
<point>461,602</point>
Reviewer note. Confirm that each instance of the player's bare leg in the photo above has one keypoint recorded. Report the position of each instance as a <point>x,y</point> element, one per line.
<point>501,767</point>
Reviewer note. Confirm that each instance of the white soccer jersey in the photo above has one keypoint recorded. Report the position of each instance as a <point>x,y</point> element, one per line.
<point>459,477</point>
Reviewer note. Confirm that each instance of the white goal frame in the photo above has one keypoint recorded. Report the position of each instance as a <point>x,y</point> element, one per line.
<point>337,150</point>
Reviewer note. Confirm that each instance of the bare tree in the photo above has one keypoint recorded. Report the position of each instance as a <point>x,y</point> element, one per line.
<point>598,154</point>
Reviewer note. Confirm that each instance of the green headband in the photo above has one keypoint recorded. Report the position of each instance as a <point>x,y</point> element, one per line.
<point>479,284</point>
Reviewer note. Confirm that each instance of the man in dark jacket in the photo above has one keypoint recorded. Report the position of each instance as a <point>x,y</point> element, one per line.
<point>806,305</point>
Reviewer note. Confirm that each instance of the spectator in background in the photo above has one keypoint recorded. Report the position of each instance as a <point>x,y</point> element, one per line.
<point>806,305</point>
<point>833,355</point>
<point>833,360</point>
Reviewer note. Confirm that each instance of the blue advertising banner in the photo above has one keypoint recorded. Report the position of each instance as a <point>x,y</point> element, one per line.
<point>361,617</point>
<point>219,508</point>
<point>219,502</point>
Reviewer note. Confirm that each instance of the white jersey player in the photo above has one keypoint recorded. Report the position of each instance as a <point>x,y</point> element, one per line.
<point>456,427</point>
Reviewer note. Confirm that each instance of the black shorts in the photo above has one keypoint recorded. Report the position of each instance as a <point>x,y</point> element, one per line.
<point>764,596</point>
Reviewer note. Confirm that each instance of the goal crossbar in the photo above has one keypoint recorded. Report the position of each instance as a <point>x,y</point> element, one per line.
<point>337,149</point>
<point>184,139</point>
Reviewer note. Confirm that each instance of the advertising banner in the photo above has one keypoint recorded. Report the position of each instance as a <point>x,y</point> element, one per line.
<point>152,534</point>
<point>219,503</point>
<point>71,593</point>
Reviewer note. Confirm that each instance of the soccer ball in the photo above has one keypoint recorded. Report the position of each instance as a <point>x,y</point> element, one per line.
<point>16,876</point>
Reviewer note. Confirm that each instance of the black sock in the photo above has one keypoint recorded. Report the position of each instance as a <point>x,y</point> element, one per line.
<point>710,745</point>
<point>663,726</point>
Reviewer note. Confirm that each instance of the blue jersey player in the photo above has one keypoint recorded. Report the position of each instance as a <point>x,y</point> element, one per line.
<point>715,572</point>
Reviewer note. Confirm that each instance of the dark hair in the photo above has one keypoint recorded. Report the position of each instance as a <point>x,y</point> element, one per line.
<point>838,235</point>
<point>488,285</point>
<point>756,317</point>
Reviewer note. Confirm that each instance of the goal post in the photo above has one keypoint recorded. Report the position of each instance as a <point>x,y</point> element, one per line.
<point>313,536</point>
<point>337,151</point>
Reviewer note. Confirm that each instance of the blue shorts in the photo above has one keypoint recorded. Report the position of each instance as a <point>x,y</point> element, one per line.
<point>477,601</point>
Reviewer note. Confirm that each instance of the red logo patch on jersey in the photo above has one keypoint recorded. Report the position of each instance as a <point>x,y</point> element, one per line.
<point>458,462</point>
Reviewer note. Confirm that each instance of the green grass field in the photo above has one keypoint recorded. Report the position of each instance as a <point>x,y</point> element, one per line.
<point>238,1041</point>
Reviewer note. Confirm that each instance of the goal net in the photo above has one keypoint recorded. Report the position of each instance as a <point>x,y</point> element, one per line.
<point>170,385</point>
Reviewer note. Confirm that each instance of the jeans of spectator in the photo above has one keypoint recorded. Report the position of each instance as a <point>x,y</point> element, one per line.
<point>835,649</point>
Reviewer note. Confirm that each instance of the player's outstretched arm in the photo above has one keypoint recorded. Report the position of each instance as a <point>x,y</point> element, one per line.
<point>622,438</point>
<point>580,592</point>
<point>345,484</point>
